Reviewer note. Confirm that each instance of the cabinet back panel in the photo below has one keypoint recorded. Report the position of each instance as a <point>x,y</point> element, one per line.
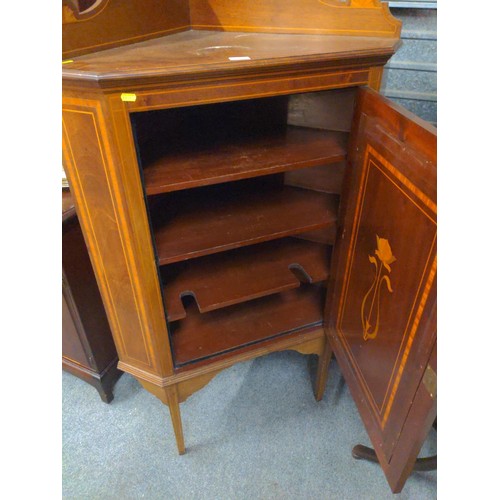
<point>119,23</point>
<point>324,178</point>
<point>359,17</point>
<point>330,110</point>
<point>172,129</point>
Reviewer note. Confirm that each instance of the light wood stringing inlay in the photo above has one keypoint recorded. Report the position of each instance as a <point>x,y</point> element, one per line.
<point>115,287</point>
<point>428,275</point>
<point>149,100</point>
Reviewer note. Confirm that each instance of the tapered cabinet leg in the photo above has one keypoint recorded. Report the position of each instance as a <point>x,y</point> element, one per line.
<point>170,396</point>
<point>175,414</point>
<point>322,374</point>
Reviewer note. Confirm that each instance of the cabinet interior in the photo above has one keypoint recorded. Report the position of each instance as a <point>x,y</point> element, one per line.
<point>242,199</point>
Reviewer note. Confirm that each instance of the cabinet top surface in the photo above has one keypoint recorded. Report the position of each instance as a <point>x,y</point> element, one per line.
<point>198,52</point>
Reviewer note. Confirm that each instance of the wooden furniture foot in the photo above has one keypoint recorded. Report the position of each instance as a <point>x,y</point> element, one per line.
<point>322,373</point>
<point>103,381</point>
<point>360,452</point>
<point>169,396</point>
<point>105,391</point>
<point>175,414</point>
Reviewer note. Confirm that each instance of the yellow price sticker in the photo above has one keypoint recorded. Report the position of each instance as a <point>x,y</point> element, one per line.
<point>128,97</point>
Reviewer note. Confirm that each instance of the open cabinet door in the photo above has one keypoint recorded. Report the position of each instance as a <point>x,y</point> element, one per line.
<point>381,309</point>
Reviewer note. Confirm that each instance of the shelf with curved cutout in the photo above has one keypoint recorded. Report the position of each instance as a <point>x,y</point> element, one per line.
<point>202,336</point>
<point>222,280</point>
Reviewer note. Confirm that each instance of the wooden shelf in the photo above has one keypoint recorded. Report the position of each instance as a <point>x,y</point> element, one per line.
<point>201,336</point>
<point>199,164</point>
<point>200,222</point>
<point>221,280</point>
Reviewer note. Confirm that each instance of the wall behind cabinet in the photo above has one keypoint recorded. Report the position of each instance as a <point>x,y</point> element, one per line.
<point>410,76</point>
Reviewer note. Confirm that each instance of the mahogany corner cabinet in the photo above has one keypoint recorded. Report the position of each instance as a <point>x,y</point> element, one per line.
<point>243,189</point>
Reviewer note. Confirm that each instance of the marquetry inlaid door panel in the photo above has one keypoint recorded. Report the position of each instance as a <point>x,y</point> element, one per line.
<point>381,310</point>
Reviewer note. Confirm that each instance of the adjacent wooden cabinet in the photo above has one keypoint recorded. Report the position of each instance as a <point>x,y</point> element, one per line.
<point>88,350</point>
<point>242,190</point>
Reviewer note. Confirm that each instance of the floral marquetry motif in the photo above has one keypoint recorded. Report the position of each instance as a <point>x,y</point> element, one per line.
<point>161,98</point>
<point>371,302</point>
<point>385,288</point>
